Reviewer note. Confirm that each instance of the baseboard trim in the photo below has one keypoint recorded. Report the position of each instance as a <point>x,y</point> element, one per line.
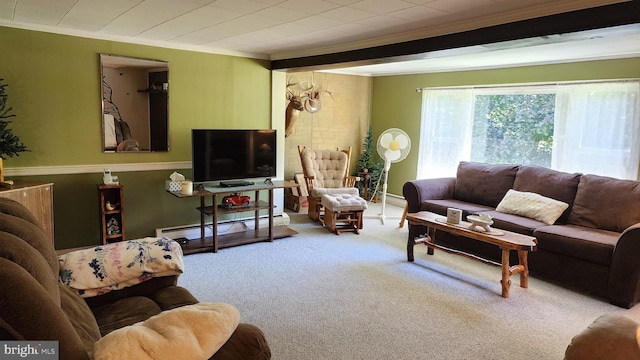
<point>95,168</point>
<point>396,200</point>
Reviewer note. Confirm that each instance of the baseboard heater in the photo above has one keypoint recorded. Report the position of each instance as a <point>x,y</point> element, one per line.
<point>192,231</point>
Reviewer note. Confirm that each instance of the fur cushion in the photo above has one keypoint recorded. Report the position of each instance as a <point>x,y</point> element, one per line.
<point>532,205</point>
<point>190,332</point>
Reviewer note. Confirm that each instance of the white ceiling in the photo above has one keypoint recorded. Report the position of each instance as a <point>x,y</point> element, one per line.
<point>281,29</point>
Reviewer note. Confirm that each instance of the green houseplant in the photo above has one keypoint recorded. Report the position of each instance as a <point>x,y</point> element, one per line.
<point>369,163</point>
<point>10,144</point>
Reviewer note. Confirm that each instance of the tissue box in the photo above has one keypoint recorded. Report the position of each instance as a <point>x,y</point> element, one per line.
<point>173,186</point>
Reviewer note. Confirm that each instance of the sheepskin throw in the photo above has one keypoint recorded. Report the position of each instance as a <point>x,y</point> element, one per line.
<point>190,332</point>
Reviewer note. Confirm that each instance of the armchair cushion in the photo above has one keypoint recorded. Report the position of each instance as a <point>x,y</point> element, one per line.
<point>328,168</point>
<point>318,192</point>
<point>117,265</point>
<point>190,332</point>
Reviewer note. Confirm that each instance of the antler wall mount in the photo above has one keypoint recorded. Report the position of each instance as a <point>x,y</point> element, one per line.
<point>302,96</point>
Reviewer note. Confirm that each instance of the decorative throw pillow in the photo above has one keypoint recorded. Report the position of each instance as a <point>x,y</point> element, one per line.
<point>189,332</point>
<point>532,205</point>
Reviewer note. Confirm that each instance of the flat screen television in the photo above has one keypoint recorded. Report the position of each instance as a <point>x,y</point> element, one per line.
<point>230,154</point>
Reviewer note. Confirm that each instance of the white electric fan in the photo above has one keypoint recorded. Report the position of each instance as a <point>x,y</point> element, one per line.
<point>393,146</point>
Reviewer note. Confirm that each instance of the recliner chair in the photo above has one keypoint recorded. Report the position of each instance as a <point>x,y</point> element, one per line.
<point>35,305</point>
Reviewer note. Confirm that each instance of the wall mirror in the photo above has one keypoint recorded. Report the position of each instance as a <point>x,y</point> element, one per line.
<point>135,94</point>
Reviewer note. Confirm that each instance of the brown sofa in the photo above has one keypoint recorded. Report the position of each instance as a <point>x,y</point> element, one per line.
<point>593,246</point>
<point>35,305</point>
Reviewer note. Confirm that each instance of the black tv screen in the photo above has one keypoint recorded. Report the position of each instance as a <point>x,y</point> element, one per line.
<point>219,154</point>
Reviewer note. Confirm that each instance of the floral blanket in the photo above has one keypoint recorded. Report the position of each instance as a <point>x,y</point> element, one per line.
<point>114,266</point>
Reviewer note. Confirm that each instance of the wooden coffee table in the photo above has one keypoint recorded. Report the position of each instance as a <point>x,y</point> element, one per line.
<point>505,240</point>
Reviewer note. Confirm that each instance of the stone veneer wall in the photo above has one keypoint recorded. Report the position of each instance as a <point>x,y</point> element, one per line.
<point>342,121</point>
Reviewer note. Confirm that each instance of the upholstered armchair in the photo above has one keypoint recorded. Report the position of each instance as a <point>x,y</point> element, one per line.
<point>37,304</point>
<point>326,172</point>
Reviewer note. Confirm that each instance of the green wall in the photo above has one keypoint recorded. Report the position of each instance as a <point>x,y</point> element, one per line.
<point>54,90</point>
<point>395,102</point>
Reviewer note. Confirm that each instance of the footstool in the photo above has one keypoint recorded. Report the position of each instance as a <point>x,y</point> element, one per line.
<point>343,212</point>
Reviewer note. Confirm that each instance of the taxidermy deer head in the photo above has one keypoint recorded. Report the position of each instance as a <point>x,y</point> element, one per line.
<point>302,97</point>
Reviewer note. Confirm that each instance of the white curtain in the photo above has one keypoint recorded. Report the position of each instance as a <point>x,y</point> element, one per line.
<point>447,123</point>
<point>597,129</point>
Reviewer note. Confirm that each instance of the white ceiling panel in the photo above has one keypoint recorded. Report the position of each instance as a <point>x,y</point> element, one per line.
<point>243,6</point>
<point>349,14</point>
<point>42,12</point>
<point>381,6</point>
<point>309,7</point>
<point>418,13</point>
<point>93,15</point>
<point>147,15</point>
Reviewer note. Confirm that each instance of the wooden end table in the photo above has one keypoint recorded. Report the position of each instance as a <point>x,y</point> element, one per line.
<point>505,240</point>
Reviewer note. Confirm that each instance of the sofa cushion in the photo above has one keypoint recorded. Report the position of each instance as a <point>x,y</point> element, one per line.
<point>190,332</point>
<point>593,245</point>
<point>516,223</point>
<point>550,183</point>
<point>29,312</point>
<point>80,315</point>
<point>125,312</point>
<point>30,233</point>
<point>606,203</point>
<point>24,255</point>
<point>532,205</point>
<point>483,184</point>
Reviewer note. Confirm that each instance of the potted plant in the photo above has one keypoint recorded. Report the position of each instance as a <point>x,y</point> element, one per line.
<point>368,164</point>
<point>10,144</point>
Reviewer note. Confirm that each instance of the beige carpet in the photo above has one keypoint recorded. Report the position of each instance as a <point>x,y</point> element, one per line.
<point>321,296</point>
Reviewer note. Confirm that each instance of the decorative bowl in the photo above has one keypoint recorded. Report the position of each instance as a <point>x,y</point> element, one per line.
<point>483,221</point>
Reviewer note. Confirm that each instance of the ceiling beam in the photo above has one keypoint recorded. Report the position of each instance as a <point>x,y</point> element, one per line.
<point>624,13</point>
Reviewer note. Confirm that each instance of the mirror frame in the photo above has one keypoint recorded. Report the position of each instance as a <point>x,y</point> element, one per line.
<point>142,95</point>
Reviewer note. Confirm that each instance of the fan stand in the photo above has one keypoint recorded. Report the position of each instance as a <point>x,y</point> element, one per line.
<point>397,143</point>
<point>383,200</point>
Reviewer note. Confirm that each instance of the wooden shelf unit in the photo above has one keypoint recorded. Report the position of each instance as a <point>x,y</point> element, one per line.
<point>38,198</point>
<point>217,241</point>
<point>114,195</point>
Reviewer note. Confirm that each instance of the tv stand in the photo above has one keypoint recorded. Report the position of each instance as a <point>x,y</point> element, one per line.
<point>226,184</point>
<point>217,241</point>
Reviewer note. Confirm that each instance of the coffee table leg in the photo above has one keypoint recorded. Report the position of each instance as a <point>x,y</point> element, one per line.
<point>506,272</point>
<point>524,262</point>
<point>431,232</point>
<point>410,244</point>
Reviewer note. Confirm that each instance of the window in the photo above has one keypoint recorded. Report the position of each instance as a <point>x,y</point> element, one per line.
<point>588,128</point>
<point>514,128</point>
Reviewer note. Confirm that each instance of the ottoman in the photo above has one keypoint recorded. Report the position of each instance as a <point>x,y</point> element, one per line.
<point>343,212</point>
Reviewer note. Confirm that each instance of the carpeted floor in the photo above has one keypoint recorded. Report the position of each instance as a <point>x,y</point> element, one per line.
<point>321,296</point>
